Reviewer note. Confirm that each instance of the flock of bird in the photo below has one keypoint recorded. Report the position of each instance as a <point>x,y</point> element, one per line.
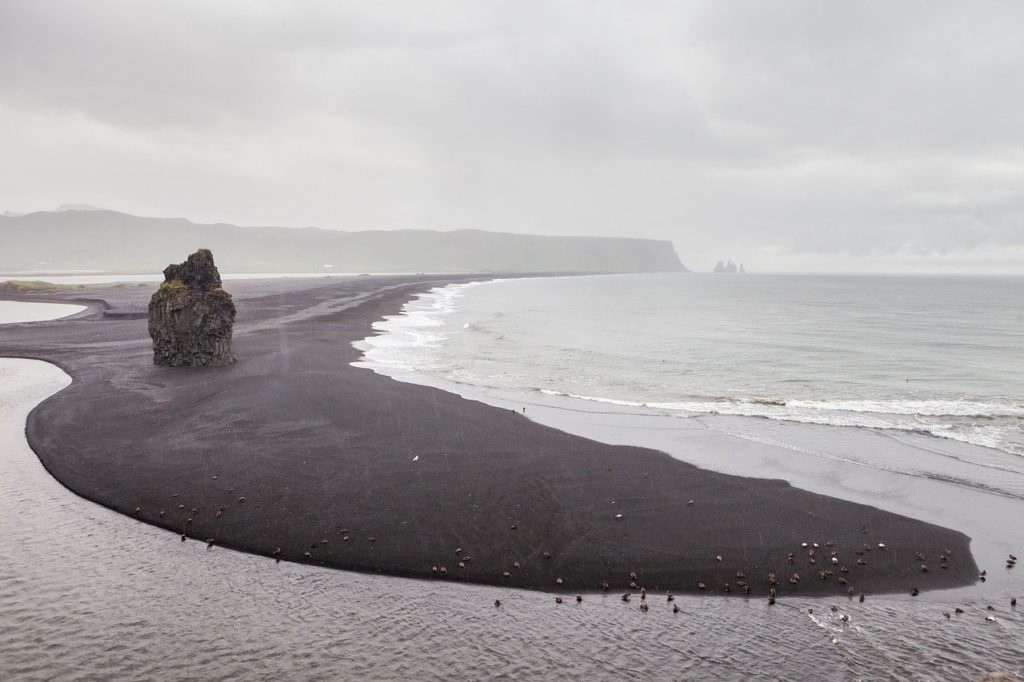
<point>831,566</point>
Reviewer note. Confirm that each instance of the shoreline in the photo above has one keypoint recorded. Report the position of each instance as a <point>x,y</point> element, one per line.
<point>330,447</point>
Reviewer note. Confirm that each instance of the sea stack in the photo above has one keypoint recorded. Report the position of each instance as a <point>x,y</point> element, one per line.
<point>191,317</point>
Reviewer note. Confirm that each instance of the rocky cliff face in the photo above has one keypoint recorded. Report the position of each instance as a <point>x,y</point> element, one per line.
<point>191,317</point>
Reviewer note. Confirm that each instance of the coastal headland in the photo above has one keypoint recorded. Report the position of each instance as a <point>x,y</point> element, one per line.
<point>294,454</point>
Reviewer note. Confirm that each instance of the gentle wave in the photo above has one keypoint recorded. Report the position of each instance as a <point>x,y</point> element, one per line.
<point>900,415</point>
<point>419,325</point>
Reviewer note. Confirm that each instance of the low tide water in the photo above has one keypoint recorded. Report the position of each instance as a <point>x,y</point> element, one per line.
<point>86,593</point>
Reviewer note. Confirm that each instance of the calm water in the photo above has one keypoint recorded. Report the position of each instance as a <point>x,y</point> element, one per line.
<point>16,311</point>
<point>86,593</point>
<point>936,355</point>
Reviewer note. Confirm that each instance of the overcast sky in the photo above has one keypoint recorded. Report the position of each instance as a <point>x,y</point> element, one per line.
<point>806,136</point>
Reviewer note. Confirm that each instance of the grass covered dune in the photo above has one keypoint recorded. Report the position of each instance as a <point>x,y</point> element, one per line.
<point>294,454</point>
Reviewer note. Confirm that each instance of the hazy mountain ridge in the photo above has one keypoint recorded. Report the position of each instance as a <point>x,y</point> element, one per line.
<point>109,240</point>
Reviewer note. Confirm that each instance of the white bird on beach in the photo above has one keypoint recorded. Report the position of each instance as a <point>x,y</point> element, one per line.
<point>416,458</point>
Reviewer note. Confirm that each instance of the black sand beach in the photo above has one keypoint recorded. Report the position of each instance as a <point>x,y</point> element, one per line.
<point>294,453</point>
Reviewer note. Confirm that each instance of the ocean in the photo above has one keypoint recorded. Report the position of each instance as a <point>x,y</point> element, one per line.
<point>935,355</point>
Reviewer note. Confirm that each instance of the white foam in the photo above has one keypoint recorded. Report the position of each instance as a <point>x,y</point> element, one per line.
<point>401,339</point>
<point>898,415</point>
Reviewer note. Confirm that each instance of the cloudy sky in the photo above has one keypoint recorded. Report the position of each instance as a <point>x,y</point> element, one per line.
<point>812,135</point>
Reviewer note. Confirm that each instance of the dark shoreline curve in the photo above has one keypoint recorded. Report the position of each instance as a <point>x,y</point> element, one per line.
<point>317,447</point>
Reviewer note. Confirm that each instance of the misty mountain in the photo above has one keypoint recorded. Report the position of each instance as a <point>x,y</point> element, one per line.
<point>108,240</point>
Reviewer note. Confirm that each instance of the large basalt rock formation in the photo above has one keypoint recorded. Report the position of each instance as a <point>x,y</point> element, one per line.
<point>191,317</point>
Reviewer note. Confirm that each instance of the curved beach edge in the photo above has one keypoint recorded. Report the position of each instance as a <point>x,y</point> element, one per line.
<point>296,455</point>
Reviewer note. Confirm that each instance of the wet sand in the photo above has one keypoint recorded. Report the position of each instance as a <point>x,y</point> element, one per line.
<point>294,453</point>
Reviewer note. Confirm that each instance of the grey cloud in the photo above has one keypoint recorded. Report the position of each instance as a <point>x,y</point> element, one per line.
<point>863,134</point>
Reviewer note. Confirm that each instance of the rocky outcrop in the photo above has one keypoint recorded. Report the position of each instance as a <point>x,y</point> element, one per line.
<point>729,269</point>
<point>191,317</point>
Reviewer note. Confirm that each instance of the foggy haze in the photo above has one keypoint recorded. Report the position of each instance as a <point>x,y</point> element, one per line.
<point>792,136</point>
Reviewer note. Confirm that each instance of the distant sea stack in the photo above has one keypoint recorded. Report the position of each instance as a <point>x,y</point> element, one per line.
<point>729,268</point>
<point>191,317</point>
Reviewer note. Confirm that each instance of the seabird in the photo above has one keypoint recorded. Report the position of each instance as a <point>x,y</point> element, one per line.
<point>497,602</point>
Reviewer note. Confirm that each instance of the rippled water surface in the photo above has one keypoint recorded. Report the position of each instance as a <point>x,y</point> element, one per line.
<point>86,593</point>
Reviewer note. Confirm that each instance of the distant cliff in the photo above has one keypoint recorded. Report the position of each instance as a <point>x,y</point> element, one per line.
<point>108,240</point>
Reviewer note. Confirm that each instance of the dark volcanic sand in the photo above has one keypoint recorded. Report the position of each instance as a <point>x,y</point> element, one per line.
<point>300,451</point>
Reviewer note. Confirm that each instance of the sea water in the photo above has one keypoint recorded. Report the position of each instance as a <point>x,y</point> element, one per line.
<point>942,356</point>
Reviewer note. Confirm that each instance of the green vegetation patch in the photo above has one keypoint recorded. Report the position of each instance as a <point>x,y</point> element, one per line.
<point>36,287</point>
